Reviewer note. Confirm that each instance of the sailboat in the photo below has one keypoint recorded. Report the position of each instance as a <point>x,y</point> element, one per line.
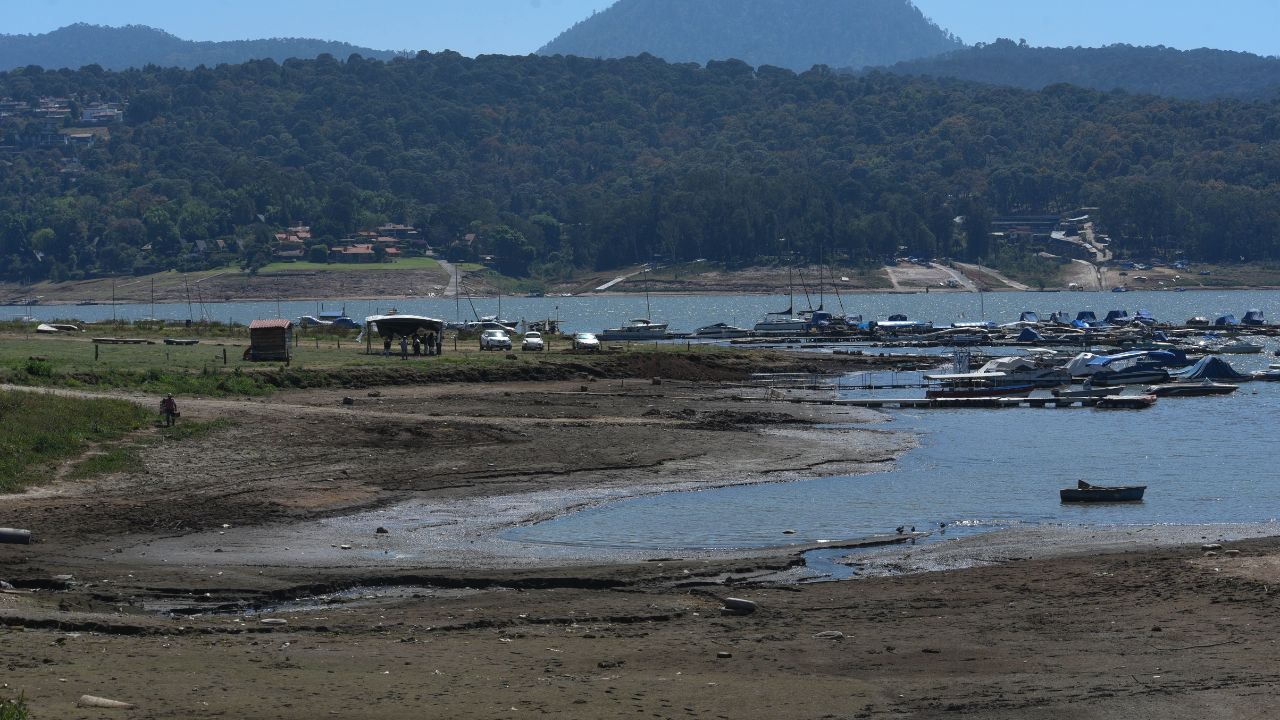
<point>639,328</point>
<point>785,322</point>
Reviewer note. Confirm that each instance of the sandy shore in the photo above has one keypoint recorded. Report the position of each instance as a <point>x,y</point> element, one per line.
<point>173,572</point>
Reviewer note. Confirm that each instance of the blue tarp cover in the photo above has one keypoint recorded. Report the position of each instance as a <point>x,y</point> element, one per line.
<point>1029,335</point>
<point>1226,320</point>
<point>1086,316</point>
<point>1209,368</point>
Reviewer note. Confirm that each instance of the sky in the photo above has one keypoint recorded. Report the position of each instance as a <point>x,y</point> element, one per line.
<point>519,27</point>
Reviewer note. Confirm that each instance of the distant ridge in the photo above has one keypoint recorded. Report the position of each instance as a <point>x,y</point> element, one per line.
<point>784,33</point>
<point>117,48</point>
<point>1190,74</point>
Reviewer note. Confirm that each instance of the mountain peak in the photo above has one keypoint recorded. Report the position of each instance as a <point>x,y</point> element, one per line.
<point>784,33</point>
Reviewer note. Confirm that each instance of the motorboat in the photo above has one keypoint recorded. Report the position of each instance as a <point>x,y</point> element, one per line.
<point>781,323</point>
<point>1126,402</point>
<point>1241,347</point>
<point>54,328</point>
<point>638,329</point>
<point>1019,370</point>
<point>1136,367</point>
<point>1200,389</point>
<point>1085,492</point>
<point>976,385</point>
<point>720,331</point>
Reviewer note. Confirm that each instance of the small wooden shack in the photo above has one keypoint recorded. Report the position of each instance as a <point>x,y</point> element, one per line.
<point>270,341</point>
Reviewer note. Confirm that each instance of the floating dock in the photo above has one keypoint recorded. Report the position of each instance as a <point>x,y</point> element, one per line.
<point>1122,402</point>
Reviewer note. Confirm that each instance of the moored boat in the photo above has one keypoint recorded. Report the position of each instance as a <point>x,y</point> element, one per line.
<point>1201,389</point>
<point>1126,402</point>
<point>638,329</point>
<point>976,385</point>
<point>720,331</point>
<point>1085,492</point>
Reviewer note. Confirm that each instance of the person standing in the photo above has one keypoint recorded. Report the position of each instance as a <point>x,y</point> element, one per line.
<point>404,348</point>
<point>169,409</point>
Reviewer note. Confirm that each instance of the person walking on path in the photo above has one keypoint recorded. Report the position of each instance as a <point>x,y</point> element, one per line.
<point>169,409</point>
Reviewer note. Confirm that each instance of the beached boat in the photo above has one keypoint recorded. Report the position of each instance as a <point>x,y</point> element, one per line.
<point>1085,492</point>
<point>54,328</point>
<point>1200,389</point>
<point>720,331</point>
<point>181,341</point>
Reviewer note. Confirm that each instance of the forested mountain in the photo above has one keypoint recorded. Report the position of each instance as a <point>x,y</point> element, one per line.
<point>80,45</point>
<point>783,33</point>
<point>559,162</point>
<point>1192,74</point>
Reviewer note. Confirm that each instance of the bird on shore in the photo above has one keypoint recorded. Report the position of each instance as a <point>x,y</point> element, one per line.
<point>900,528</point>
<point>913,528</point>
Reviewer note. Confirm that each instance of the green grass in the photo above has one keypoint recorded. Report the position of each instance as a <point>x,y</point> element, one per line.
<point>411,263</point>
<point>39,431</point>
<point>123,459</point>
<point>14,709</point>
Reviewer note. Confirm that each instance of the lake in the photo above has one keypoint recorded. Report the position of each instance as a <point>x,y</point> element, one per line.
<point>689,312</point>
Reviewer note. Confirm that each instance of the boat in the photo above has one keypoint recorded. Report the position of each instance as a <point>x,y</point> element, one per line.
<point>976,385</point>
<point>52,328</point>
<point>1084,393</point>
<point>181,341</point>
<point>1085,492</point>
<point>1197,321</point>
<point>1200,389</point>
<point>720,331</point>
<point>1241,347</point>
<point>1136,367</point>
<point>1126,402</point>
<point>638,329</point>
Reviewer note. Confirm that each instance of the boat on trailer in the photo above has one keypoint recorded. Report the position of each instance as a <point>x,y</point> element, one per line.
<point>1085,492</point>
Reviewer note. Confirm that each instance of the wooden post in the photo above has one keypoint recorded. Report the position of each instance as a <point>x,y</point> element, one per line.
<point>224,356</point>
<point>95,352</point>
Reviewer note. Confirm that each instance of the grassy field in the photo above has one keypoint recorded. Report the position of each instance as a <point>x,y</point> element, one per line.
<point>39,431</point>
<point>415,263</point>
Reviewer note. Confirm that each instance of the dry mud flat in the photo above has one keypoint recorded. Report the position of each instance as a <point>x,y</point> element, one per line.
<point>155,615</point>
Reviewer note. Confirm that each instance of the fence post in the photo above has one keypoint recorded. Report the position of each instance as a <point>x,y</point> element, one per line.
<point>224,356</point>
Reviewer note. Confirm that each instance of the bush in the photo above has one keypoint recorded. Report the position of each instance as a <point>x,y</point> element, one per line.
<point>14,709</point>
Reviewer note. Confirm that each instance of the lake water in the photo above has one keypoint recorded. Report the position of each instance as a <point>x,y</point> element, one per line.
<point>1206,460</point>
<point>689,312</point>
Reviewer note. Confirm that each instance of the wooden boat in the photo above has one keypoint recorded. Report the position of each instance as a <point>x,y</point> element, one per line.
<point>181,341</point>
<point>1126,402</point>
<point>1084,492</point>
<point>1201,389</point>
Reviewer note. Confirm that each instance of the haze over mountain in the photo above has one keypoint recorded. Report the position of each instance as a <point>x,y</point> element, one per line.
<point>1191,74</point>
<point>116,48</point>
<point>784,33</point>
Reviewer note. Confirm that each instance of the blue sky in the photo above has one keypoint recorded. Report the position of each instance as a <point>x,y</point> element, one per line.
<point>521,26</point>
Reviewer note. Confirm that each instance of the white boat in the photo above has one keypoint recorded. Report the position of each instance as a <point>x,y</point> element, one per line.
<point>638,329</point>
<point>781,323</point>
<point>720,331</point>
<point>1241,347</point>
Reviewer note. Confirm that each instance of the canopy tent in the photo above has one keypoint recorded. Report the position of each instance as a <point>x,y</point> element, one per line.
<point>389,327</point>
<point>1209,368</point>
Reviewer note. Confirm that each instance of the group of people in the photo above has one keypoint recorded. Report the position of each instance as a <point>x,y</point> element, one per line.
<point>422,345</point>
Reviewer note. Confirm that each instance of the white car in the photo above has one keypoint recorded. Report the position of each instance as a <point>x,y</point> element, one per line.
<point>495,340</point>
<point>586,341</point>
<point>532,342</point>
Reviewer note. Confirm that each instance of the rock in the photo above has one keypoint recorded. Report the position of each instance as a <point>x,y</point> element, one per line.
<point>610,664</point>
<point>381,531</point>
<point>348,400</point>
<point>1231,553</point>
<point>344,547</point>
<point>375,394</point>
<point>14,536</point>
<point>788,532</point>
<point>94,701</point>
<point>5,586</point>
<point>829,635</point>
<point>274,621</point>
<point>656,381</point>
<point>1211,554</point>
<point>1211,546</point>
<point>724,655</point>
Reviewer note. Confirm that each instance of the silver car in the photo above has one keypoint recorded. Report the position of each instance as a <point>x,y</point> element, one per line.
<point>495,340</point>
<point>532,342</point>
<point>586,341</point>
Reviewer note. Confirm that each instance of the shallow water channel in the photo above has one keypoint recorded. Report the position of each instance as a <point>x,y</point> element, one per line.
<point>1204,460</point>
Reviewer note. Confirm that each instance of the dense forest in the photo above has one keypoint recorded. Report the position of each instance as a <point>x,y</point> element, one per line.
<point>556,163</point>
<point>1192,74</point>
<point>783,33</point>
<point>135,46</point>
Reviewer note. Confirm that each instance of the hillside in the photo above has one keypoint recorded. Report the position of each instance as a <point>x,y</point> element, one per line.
<point>1192,74</point>
<point>80,45</point>
<point>783,33</point>
<point>554,164</point>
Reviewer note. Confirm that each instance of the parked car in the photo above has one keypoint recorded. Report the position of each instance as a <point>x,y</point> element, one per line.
<point>495,340</point>
<point>586,341</point>
<point>532,342</point>
<point>346,323</point>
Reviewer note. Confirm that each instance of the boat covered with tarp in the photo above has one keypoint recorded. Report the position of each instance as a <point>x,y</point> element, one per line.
<point>1253,317</point>
<point>390,327</point>
<point>1209,368</point>
<point>1226,320</point>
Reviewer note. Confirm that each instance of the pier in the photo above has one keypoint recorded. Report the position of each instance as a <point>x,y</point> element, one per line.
<point>1126,402</point>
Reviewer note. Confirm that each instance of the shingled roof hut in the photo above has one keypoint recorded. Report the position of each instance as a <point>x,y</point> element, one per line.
<point>270,341</point>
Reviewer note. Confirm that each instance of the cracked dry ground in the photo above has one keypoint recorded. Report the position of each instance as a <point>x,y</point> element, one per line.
<point>1160,634</point>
